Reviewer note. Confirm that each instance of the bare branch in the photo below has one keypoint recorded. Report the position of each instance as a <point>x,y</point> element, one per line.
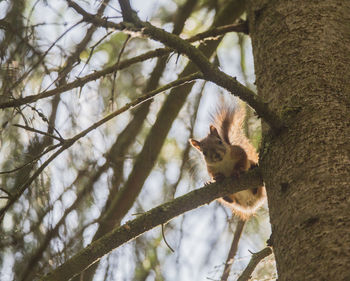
<point>117,66</point>
<point>28,182</point>
<point>210,72</point>
<point>256,258</point>
<point>127,11</point>
<point>9,195</point>
<point>64,143</point>
<point>69,142</point>
<point>166,242</point>
<point>213,33</point>
<point>32,263</point>
<point>79,82</point>
<point>139,101</point>
<point>92,48</point>
<point>39,132</point>
<point>44,55</point>
<point>34,159</point>
<point>233,250</point>
<point>157,216</point>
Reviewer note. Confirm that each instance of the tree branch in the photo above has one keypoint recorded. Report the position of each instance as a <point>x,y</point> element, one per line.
<point>210,72</point>
<point>233,250</point>
<point>127,11</point>
<point>213,33</point>
<point>139,101</point>
<point>25,75</point>
<point>210,34</point>
<point>33,160</point>
<point>38,131</point>
<point>28,182</point>
<point>32,263</point>
<point>80,82</point>
<point>256,258</point>
<point>69,142</point>
<point>156,216</point>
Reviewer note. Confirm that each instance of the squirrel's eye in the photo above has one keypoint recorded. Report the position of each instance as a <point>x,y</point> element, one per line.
<point>219,142</point>
<point>205,153</point>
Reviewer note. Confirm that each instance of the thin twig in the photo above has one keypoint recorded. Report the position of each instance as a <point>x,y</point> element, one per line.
<point>117,66</point>
<point>36,158</point>
<point>7,192</point>
<point>44,55</point>
<point>138,101</point>
<point>186,151</point>
<point>74,59</point>
<point>28,182</point>
<point>233,250</point>
<point>81,81</point>
<point>39,132</point>
<point>34,261</point>
<point>213,33</point>
<point>166,242</point>
<point>92,50</point>
<point>44,118</point>
<point>254,261</point>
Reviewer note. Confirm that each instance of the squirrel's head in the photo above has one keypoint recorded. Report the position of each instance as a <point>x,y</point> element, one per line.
<point>212,146</point>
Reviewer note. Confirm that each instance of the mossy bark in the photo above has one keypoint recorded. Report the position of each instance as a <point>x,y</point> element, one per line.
<point>302,64</point>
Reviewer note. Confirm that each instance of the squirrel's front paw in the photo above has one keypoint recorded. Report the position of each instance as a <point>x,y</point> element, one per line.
<point>208,182</point>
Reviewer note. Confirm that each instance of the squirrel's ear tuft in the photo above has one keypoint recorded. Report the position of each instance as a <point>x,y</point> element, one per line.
<point>196,144</point>
<point>214,131</point>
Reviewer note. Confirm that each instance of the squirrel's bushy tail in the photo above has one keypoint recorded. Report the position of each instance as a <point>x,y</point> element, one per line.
<point>229,121</point>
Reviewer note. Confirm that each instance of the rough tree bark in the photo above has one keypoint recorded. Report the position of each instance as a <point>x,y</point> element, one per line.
<point>302,58</point>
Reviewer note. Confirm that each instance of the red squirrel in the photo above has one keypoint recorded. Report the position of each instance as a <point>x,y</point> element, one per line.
<point>228,153</point>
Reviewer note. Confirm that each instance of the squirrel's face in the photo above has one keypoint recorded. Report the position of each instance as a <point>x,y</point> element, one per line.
<point>212,146</point>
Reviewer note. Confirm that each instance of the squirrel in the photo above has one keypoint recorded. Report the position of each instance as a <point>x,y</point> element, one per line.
<point>225,158</point>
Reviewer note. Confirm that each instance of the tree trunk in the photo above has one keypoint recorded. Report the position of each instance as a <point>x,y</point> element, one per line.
<point>302,60</point>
